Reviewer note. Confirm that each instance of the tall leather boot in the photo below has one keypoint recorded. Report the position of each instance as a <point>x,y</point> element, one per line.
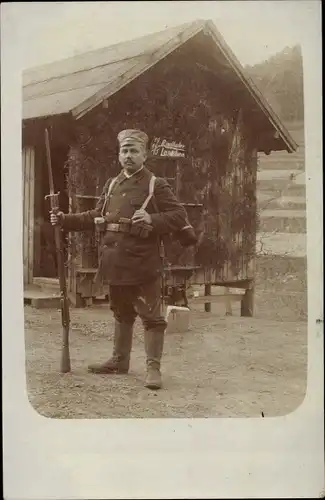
<point>120,359</point>
<point>154,344</point>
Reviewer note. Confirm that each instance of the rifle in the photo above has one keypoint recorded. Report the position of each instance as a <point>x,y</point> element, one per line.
<point>64,303</point>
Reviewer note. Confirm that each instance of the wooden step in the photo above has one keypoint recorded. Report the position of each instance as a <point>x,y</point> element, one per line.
<point>279,188</point>
<point>281,244</point>
<point>41,298</point>
<point>297,165</point>
<point>278,221</point>
<point>269,201</point>
<point>280,157</point>
<point>290,214</point>
<point>283,154</point>
<point>48,283</point>
<point>299,155</point>
<point>278,204</point>
<point>271,267</point>
<point>295,176</point>
<point>265,160</point>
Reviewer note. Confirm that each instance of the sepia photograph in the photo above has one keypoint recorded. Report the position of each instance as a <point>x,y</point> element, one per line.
<point>164,248</point>
<point>202,292</point>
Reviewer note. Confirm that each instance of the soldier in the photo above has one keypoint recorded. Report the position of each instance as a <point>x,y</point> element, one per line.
<point>130,260</point>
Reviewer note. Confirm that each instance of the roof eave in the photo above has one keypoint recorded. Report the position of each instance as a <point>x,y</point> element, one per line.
<point>276,145</point>
<point>282,137</point>
<point>27,120</point>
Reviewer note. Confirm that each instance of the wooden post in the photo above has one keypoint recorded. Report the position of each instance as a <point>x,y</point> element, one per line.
<point>207,293</point>
<point>88,301</point>
<point>178,179</point>
<point>228,302</point>
<point>247,304</point>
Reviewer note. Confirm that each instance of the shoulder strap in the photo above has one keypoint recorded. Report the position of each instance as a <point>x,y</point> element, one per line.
<point>151,191</point>
<point>110,187</point>
<point>161,238</point>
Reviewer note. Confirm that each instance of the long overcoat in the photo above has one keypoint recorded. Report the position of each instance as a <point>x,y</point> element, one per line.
<point>127,259</point>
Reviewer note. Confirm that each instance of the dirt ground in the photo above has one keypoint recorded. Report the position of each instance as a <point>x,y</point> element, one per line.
<point>225,366</point>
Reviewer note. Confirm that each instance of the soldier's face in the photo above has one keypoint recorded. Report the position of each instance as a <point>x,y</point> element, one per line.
<point>132,156</point>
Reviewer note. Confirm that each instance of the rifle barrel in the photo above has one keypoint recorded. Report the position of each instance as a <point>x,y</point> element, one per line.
<point>65,316</point>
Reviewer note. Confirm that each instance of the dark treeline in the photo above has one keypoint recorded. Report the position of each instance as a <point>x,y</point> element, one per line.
<point>280,79</point>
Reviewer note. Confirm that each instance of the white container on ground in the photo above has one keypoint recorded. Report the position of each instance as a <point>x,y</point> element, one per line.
<point>178,319</point>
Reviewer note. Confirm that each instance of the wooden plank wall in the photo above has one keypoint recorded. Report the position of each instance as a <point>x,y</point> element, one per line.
<point>38,211</point>
<point>28,165</point>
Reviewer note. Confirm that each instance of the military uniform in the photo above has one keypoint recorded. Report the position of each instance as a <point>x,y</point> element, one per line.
<point>131,264</point>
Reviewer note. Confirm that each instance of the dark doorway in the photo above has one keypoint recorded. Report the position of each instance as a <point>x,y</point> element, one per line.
<point>46,260</point>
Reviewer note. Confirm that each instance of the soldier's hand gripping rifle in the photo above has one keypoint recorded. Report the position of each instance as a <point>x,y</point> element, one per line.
<point>65,315</point>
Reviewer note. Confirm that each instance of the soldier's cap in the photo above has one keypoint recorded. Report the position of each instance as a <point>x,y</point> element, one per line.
<point>130,136</point>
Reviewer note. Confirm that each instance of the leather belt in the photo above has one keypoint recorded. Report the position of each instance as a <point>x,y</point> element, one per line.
<point>134,230</point>
<point>117,228</point>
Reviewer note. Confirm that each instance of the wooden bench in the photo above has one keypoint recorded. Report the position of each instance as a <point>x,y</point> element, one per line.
<point>176,283</point>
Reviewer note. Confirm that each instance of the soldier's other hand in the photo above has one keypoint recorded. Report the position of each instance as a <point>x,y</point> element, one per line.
<point>141,216</point>
<point>56,218</point>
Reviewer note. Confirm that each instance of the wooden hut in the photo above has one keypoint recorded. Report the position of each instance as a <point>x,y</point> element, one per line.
<point>207,123</point>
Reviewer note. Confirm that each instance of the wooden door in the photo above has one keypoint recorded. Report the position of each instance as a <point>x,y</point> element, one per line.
<point>28,165</point>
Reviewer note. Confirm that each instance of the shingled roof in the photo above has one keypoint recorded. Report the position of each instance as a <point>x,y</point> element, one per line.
<point>78,84</point>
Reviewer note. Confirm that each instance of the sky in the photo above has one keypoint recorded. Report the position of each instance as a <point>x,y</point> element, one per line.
<point>49,31</point>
